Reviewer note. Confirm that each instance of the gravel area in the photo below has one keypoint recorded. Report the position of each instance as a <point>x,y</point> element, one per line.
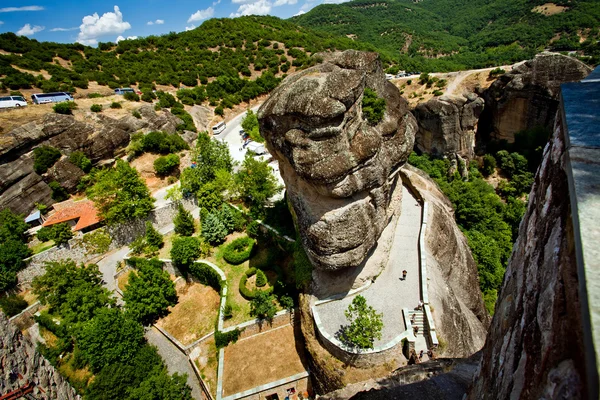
<point>388,294</point>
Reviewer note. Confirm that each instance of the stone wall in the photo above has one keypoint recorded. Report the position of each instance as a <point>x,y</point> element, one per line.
<point>22,364</point>
<point>121,235</point>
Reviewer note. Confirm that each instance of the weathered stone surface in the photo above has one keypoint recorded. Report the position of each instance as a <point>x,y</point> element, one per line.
<point>22,196</point>
<point>18,357</point>
<point>447,125</point>
<point>535,344</point>
<point>335,164</point>
<point>527,96</point>
<point>14,171</point>
<point>65,173</point>
<point>202,116</point>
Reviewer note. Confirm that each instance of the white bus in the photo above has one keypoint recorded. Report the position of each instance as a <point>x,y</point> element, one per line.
<point>56,97</point>
<point>218,128</point>
<point>12,101</point>
<point>124,90</point>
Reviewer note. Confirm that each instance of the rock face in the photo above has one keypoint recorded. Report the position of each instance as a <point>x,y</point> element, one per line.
<point>99,137</point>
<point>338,168</point>
<point>18,356</point>
<point>527,96</point>
<point>534,346</point>
<point>447,125</point>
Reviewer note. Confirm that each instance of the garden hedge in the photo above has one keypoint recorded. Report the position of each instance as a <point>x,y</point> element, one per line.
<point>247,293</point>
<point>239,250</point>
<point>206,275</point>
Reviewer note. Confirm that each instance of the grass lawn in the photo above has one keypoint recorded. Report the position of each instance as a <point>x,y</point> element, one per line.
<point>194,315</point>
<point>207,363</point>
<point>165,252</point>
<point>38,248</point>
<point>263,358</point>
<point>123,279</point>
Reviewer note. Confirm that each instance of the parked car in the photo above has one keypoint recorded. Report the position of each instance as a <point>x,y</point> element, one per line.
<point>12,101</point>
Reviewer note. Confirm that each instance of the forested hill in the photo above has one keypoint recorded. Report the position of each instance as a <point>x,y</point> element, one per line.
<point>448,35</point>
<point>231,49</point>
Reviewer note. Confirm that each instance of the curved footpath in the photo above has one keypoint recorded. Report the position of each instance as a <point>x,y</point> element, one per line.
<point>388,294</point>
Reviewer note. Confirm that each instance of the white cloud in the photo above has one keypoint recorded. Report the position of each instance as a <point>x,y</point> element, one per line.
<point>157,22</point>
<point>28,30</point>
<point>26,8</point>
<point>63,29</point>
<point>190,28</point>
<point>1,22</point>
<point>202,14</point>
<point>260,7</point>
<point>334,1</point>
<point>94,26</point>
<point>284,2</point>
<point>216,2</point>
<point>299,13</point>
<point>119,38</point>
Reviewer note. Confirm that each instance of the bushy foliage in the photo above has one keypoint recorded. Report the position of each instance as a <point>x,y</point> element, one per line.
<point>66,107</point>
<point>207,275</point>
<point>256,183</point>
<point>302,265</point>
<point>213,229</point>
<point>365,326</point>
<point>165,165</point>
<point>373,106</point>
<point>12,247</point>
<point>162,143</point>
<point>149,292</point>
<point>263,306</point>
<point>222,339</point>
<point>185,251</point>
<point>44,157</point>
<point>60,233</point>
<point>489,165</point>
<point>238,250</point>
<point>120,194</point>
<point>58,192</point>
<point>96,108</point>
<point>80,159</point>
<point>115,105</point>
<point>250,125</point>
<point>130,96</point>
<point>153,237</point>
<point>12,304</point>
<point>261,278</point>
<point>184,222</point>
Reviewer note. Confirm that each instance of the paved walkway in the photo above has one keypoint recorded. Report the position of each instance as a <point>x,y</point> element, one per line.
<point>388,294</point>
<point>175,360</point>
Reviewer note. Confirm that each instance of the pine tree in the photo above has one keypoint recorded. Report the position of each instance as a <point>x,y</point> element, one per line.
<point>184,222</point>
<point>261,278</point>
<point>227,218</point>
<point>213,229</point>
<point>153,238</point>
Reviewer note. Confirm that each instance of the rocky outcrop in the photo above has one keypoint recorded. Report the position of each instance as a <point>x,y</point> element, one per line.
<point>338,168</point>
<point>22,196</point>
<point>535,344</point>
<point>527,96</point>
<point>66,174</point>
<point>202,117</point>
<point>447,125</point>
<point>22,364</point>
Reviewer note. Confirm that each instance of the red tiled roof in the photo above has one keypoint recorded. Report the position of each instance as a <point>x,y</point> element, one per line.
<point>84,211</point>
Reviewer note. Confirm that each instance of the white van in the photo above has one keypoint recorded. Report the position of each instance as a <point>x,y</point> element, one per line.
<point>12,101</point>
<point>257,148</point>
<point>218,128</point>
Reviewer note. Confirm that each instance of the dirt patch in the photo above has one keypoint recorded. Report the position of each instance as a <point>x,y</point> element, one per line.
<point>207,363</point>
<point>262,358</point>
<point>549,9</point>
<point>123,280</point>
<point>144,164</point>
<point>194,315</point>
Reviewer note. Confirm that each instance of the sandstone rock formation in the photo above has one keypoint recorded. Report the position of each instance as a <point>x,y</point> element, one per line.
<point>338,168</point>
<point>527,96</point>
<point>447,125</point>
<point>99,137</point>
<point>21,363</point>
<point>535,344</point>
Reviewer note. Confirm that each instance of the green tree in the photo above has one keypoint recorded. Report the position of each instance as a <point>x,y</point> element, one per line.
<point>184,222</point>
<point>263,306</point>
<point>44,157</point>
<point>12,247</point>
<point>60,233</point>
<point>149,292</point>
<point>109,337</point>
<point>66,107</point>
<point>165,165</point>
<point>58,192</point>
<point>12,304</point>
<point>79,158</point>
<point>213,229</point>
<point>163,387</point>
<point>153,237</point>
<point>255,183</point>
<point>489,165</point>
<point>261,278</point>
<point>365,324</point>
<point>120,194</point>
<point>185,251</point>
<point>373,106</point>
<point>250,125</point>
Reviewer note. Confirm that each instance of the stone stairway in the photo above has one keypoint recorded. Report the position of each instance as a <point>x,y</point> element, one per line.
<point>420,337</point>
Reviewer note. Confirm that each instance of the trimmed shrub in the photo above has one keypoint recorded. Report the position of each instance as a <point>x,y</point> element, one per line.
<point>261,278</point>
<point>66,107</point>
<point>206,275</point>
<point>44,157</point>
<point>222,339</point>
<point>227,311</point>
<point>115,104</point>
<point>239,250</point>
<point>96,108</point>
<point>247,293</point>
<point>130,96</point>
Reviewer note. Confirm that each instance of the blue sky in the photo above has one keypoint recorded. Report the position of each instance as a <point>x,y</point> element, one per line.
<point>89,22</point>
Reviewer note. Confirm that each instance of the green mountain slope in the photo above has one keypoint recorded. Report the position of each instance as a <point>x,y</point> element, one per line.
<point>227,49</point>
<point>445,35</point>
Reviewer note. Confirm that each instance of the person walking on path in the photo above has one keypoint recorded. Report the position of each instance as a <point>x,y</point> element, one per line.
<point>404,275</point>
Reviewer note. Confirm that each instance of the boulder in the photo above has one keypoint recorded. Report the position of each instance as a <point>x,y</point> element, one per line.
<point>14,171</point>
<point>22,196</point>
<point>66,174</point>
<point>447,125</point>
<point>527,96</point>
<point>338,168</point>
<point>202,116</point>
